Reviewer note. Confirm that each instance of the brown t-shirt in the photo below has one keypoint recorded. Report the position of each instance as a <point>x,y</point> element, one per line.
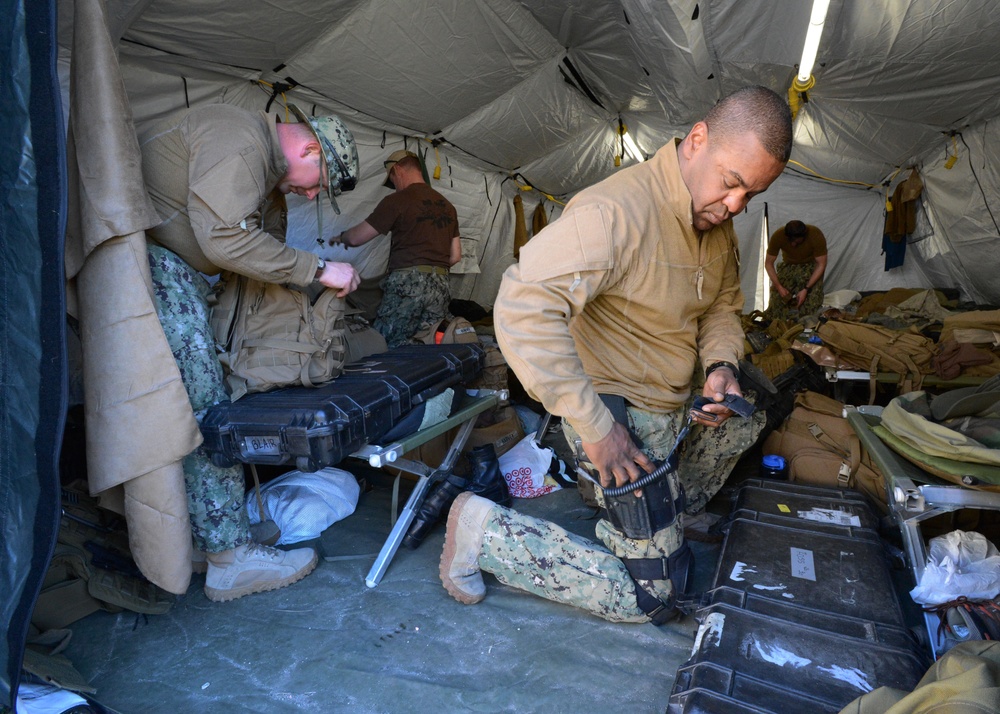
<point>422,223</point>
<point>807,251</point>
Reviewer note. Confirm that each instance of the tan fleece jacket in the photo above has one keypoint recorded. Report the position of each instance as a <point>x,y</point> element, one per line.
<point>621,295</point>
<point>209,171</point>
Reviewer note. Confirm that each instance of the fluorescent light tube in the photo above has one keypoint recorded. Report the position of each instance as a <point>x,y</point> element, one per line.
<point>631,148</point>
<point>816,21</point>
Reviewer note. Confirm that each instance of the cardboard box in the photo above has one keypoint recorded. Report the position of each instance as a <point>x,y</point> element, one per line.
<point>504,433</point>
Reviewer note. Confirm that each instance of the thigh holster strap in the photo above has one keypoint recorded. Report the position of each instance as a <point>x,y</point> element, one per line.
<point>677,567</point>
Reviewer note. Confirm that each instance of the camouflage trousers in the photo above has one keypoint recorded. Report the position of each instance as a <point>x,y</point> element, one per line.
<point>411,301</point>
<point>794,278</point>
<point>542,558</point>
<point>215,495</point>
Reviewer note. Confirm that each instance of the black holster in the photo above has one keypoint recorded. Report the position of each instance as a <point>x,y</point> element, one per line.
<point>641,517</point>
<point>656,509</point>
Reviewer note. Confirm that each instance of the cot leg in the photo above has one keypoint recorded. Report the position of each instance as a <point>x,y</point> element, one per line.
<point>416,498</point>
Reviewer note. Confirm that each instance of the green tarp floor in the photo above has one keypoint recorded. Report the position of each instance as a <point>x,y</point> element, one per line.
<point>331,644</point>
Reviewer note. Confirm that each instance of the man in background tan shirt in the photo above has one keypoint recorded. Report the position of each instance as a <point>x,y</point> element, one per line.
<point>797,283</point>
<point>634,287</point>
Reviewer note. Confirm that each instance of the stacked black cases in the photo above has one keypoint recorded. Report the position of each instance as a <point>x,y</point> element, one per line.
<point>802,616</point>
<point>317,427</point>
<point>814,507</point>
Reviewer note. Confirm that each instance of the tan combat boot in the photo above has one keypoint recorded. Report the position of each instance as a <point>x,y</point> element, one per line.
<point>463,542</point>
<point>254,568</point>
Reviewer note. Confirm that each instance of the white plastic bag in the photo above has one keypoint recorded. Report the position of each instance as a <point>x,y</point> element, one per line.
<point>959,563</point>
<point>525,468</point>
<point>306,504</point>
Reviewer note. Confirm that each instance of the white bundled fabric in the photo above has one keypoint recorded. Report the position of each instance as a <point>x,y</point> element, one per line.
<point>305,504</point>
<point>959,564</point>
<point>840,298</point>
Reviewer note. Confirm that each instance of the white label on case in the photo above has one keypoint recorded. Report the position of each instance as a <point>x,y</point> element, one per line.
<point>829,515</point>
<point>802,564</point>
<point>710,631</point>
<point>262,446</point>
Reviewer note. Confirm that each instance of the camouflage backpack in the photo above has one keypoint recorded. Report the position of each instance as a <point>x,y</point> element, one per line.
<point>276,336</point>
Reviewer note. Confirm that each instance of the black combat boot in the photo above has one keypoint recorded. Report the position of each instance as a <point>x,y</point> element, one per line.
<point>487,481</point>
<point>433,507</point>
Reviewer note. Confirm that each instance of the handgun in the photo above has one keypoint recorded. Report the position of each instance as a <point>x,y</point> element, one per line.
<point>733,402</point>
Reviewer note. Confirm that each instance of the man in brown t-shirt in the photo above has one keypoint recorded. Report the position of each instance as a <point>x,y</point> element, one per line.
<point>796,284</point>
<point>425,244</point>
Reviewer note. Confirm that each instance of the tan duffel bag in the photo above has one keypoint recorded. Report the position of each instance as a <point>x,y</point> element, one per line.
<point>822,449</point>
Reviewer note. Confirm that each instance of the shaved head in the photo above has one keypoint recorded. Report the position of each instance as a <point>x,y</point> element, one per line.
<point>759,111</point>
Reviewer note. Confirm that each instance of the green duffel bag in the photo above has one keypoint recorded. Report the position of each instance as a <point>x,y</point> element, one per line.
<point>955,435</point>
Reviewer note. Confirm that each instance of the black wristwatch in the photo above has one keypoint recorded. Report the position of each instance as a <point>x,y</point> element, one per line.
<point>719,365</point>
<point>320,265</point>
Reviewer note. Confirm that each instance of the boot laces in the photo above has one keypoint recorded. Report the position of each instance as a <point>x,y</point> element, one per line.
<point>256,550</point>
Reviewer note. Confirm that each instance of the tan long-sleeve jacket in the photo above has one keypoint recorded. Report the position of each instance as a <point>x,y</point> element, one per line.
<point>621,295</point>
<point>209,171</point>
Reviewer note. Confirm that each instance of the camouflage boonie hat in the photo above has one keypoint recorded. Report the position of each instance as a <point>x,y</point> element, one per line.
<point>340,153</point>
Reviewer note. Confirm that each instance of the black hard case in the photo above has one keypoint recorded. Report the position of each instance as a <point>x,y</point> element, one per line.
<point>750,661</point>
<point>811,507</point>
<point>317,427</point>
<point>838,573</point>
<point>803,616</point>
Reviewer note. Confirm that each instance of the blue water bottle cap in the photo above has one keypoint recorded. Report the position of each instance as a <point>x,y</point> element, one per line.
<point>773,461</point>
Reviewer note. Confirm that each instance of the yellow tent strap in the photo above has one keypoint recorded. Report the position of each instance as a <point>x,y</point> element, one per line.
<point>833,180</point>
<point>528,187</point>
<point>884,186</point>
<point>952,158</point>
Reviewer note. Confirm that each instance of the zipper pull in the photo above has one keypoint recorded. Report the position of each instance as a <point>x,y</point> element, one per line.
<point>700,281</point>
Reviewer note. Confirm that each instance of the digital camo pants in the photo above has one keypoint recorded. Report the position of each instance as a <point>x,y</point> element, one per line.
<point>794,278</point>
<point>411,301</point>
<point>215,495</point>
<point>542,558</point>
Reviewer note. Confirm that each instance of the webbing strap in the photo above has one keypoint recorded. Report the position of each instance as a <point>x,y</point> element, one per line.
<point>288,345</point>
<point>647,568</point>
<point>917,380</point>
<point>872,374</point>
<point>619,412</point>
<point>658,611</point>
<point>676,567</point>
<point>851,455</point>
<point>824,440</point>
